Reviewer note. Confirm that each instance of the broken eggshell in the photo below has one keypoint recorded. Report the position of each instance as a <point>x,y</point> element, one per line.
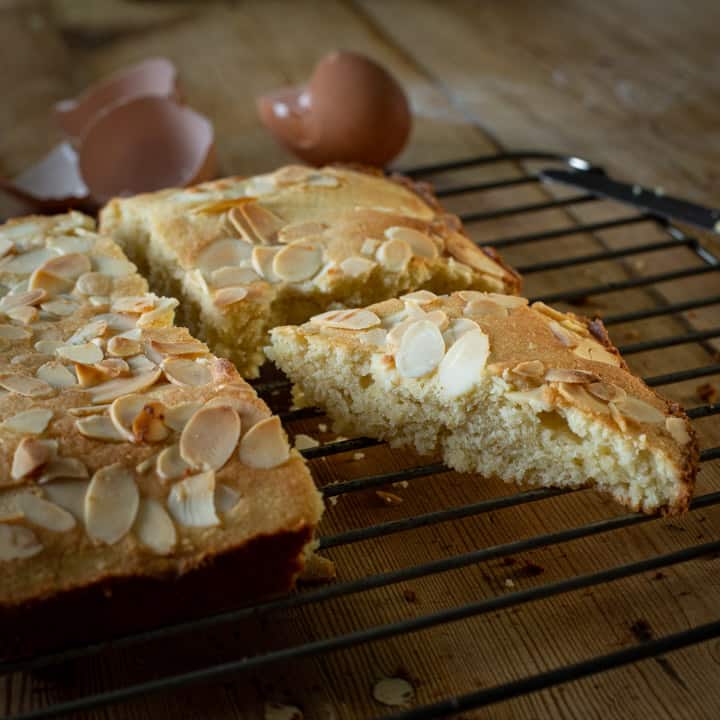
<point>352,110</point>
<point>143,145</point>
<point>151,77</point>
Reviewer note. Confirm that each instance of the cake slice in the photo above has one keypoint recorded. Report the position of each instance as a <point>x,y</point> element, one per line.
<point>520,392</point>
<point>130,456</point>
<point>247,254</point>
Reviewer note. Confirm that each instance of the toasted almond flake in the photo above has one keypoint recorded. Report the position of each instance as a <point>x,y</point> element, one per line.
<point>222,253</point>
<point>140,364</point>
<point>44,514</point>
<point>68,266</point>
<point>566,375</point>
<point>249,412</point>
<point>30,455</point>
<point>123,347</point>
<point>457,328</point>
<point>111,504</point>
<point>617,417</point>
<point>85,354</point>
<point>134,304</point>
<point>511,302</point>
<point>393,692</point>
<point>192,347</point>
<point>69,495</point>
<point>592,350</point>
<point>154,527</point>
<point>66,244</point>
<point>27,262</point>
<point>176,417</point>
<point>265,445</point>
<point>29,297</point>
<point>27,386</point>
<point>420,243</point>
<point>369,246</point>
<point>90,375</point>
<point>148,425</point>
<point>574,326</point>
<point>639,410</point>
<point>230,276</point>
<point>123,412</point>
<point>347,319</point>
<point>24,314</point>
<point>94,283</point>
<point>303,442</point>
<point>107,391</point>
<point>261,222</point>
<point>394,255</point>
<point>538,398</point>
<point>99,427</point>
<point>548,311</point>
<point>357,266</point>
<point>563,335</point>
<point>51,284</point>
<point>60,308</point>
<point>186,373</point>
<point>579,397</point>
<point>300,230</point>
<point>62,467</point>
<point>48,347</point>
<point>376,337</point>
<point>463,365</point>
<point>262,260</point>
<point>32,422</point>
<point>530,368</point>
<point>17,542</point>
<point>440,319</point>
<point>421,297</point>
<point>298,261</point>
<point>467,252</point>
<point>192,501</point>
<point>115,267</point>
<point>394,336</point>
<point>170,464</point>
<point>421,349</point>
<point>229,296</point>
<point>677,427</point>
<point>95,329</point>
<point>226,498</point>
<point>210,437</point>
<point>13,332</point>
<point>6,246</point>
<point>486,308</point>
<point>162,316</point>
<point>606,391</point>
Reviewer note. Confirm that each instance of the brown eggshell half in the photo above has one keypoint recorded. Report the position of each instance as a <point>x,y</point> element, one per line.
<point>155,76</point>
<point>143,145</point>
<point>352,110</point>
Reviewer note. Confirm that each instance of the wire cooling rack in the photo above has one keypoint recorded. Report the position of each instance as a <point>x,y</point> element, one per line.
<point>448,188</point>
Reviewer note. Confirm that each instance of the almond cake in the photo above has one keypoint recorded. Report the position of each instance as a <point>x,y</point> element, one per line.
<point>247,254</point>
<point>500,387</point>
<point>128,450</point>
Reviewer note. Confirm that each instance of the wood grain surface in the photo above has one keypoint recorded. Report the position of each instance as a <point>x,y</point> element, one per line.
<point>632,85</point>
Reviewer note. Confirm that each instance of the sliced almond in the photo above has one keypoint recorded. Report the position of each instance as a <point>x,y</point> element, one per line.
<point>394,255</point>
<point>140,364</point>
<point>421,349</point>
<point>17,542</point>
<point>606,391</point>
<point>30,455</point>
<point>154,527</point>
<point>193,347</point>
<point>113,266</point>
<point>530,368</point>
<point>440,319</point>
<point>565,375</point>
<point>148,425</point>
<point>13,332</point>
<point>62,467</point>
<point>60,308</point>
<point>677,427</point>
<point>262,260</point>
<point>91,375</point>
<point>222,253</point>
<point>86,354</point>
<point>262,223</point>
<point>44,514</point>
<point>617,417</point>
<point>376,336</point>
<point>29,297</point>
<point>123,412</point>
<point>94,283</point>
<point>26,386</point>
<point>32,422</point>
<point>210,437</point>
<point>467,252</point>
<point>300,230</point>
<point>170,464</point>
<point>231,276</point>
<point>420,243</point>
<point>394,336</point>
<point>24,314</point>
<point>592,350</point>
<point>298,261</point>
<point>463,365</point>
<point>111,504</point>
<point>51,284</point>
<point>66,244</point>
<point>229,296</point>
<point>265,445</point>
<point>192,501</point>
<point>548,311</point>
<point>186,373</point>
<point>134,304</point>
<point>563,335</point>
<point>369,246</point>
<point>538,398</point>
<point>421,297</point>
<point>639,410</point>
<point>249,412</point>
<point>6,246</point>
<point>485,308</point>
<point>161,316</point>
<point>580,398</point>
<point>176,417</point>
<point>27,262</point>
<point>457,328</point>
<point>322,180</point>
<point>69,495</point>
<point>357,266</point>
<point>95,329</point>
<point>226,498</point>
<point>347,319</point>
<point>511,302</point>
<point>123,347</point>
<point>107,391</point>
<point>48,347</point>
<point>99,427</point>
<point>68,266</point>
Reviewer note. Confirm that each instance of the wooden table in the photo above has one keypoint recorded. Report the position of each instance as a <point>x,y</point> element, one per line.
<point>632,85</point>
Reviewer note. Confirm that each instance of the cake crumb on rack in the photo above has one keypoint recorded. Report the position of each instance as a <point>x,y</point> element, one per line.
<point>393,692</point>
<point>389,498</point>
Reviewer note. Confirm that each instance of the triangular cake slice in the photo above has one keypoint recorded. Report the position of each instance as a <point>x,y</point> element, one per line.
<point>500,387</point>
<point>128,452</point>
<point>247,254</point>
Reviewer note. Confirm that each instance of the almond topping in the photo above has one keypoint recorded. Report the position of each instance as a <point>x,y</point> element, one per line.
<point>45,514</point>
<point>92,330</point>
<point>51,284</point>
<point>123,412</point>
<point>134,305</point>
<point>177,417</point>
<point>226,498</point>
<point>56,374</point>
<point>562,335</point>
<point>85,354</point>
<point>467,252</point>
<point>565,375</point>
<point>62,467</point>
<point>94,283</point>
<point>298,261</point>
<point>13,332</point>
<point>300,230</point>
<point>161,316</point>
<point>27,262</point>
<point>265,445</point>
<point>438,317</point>
<point>30,455</point>
<point>170,464</point>
<point>347,319</point>
<point>578,396</point>
<point>394,255</point>
<point>357,266</point>
<point>192,347</point>
<point>464,363</point>
<point>186,373</point>
<point>617,417</point>
<point>148,425</point>
<point>231,276</point>
<point>639,410</point>
<point>61,308</point>
<point>421,297</point>
<point>123,347</point>
<point>29,297</point>
<point>192,501</point>
<point>606,391</point>
<point>262,223</point>
<point>17,542</point>
<point>420,243</point>
<point>69,495</point>
<point>538,398</point>
<point>111,504</point>
<point>33,422</point>
<point>530,368</point>
<point>222,253</point>
<point>677,427</point>
<point>48,347</point>
<point>27,386</point>
<point>421,349</point>
<point>24,314</point>
<point>107,391</point>
<point>99,427</point>
<point>210,437</point>
<point>115,267</point>
<point>457,329</point>
<point>69,266</point>
<point>485,307</point>
<point>592,350</point>
<point>89,375</point>
<point>229,296</point>
<point>262,260</point>
<point>154,527</point>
